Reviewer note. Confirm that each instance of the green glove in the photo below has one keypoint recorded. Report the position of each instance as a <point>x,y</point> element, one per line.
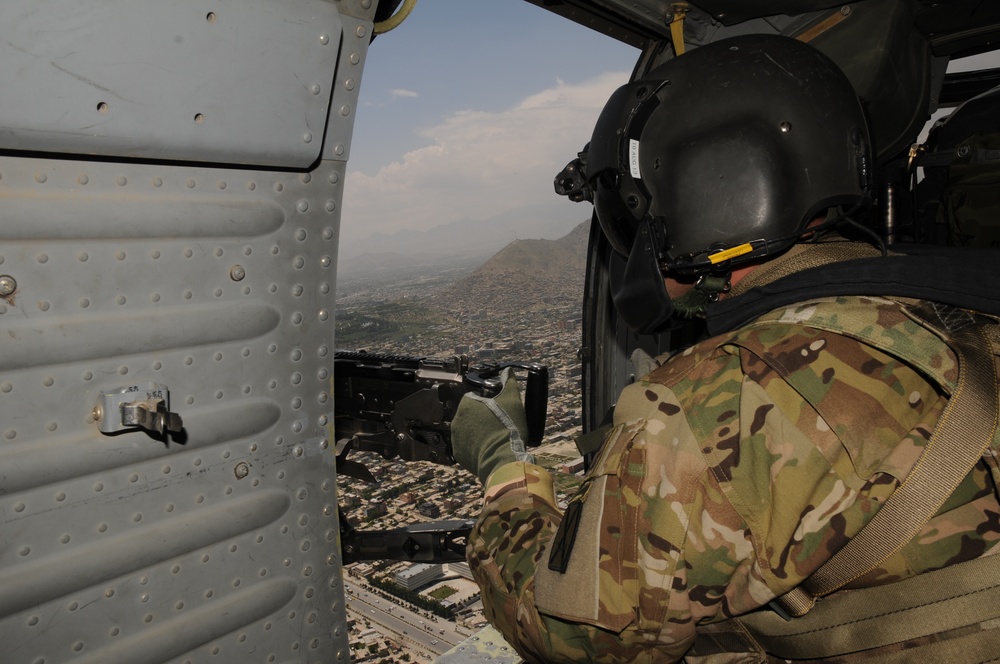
<point>487,433</point>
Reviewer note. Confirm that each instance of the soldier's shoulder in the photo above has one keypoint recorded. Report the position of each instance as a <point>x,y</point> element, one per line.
<point>877,321</point>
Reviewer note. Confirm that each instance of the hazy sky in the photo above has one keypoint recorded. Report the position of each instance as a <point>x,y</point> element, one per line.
<point>469,109</point>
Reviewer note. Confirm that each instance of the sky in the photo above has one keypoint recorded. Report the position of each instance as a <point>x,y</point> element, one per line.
<point>469,109</point>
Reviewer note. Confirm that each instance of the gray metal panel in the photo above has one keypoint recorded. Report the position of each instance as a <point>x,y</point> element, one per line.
<point>217,284</point>
<point>347,84</point>
<point>221,81</point>
<point>124,548</point>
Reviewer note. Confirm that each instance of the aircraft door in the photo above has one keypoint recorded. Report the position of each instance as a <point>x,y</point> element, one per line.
<point>170,184</point>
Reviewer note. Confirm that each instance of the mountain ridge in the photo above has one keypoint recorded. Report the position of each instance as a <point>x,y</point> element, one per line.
<point>460,243</point>
<point>549,270</point>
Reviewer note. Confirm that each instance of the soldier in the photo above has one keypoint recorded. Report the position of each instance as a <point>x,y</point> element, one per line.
<point>818,479</point>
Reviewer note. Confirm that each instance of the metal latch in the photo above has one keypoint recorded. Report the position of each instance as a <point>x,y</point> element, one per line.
<point>145,406</point>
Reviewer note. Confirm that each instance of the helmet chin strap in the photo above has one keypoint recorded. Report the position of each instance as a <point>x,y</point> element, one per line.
<point>637,287</point>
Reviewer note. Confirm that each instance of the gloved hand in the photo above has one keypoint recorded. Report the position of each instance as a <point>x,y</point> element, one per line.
<point>487,433</point>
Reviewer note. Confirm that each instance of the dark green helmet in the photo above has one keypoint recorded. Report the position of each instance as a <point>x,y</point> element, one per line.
<point>727,152</point>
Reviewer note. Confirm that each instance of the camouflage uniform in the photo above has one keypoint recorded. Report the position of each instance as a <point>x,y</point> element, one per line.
<point>732,472</point>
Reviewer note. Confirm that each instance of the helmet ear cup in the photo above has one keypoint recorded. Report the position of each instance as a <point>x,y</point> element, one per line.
<point>637,287</point>
<point>614,218</point>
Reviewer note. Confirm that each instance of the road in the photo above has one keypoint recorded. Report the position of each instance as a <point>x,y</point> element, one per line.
<point>399,621</point>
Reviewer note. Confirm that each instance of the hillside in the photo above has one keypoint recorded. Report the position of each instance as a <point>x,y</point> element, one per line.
<point>527,274</point>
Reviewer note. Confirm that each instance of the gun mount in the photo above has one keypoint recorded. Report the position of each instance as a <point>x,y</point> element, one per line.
<point>402,406</point>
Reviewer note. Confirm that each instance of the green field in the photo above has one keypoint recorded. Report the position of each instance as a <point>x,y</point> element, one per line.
<point>358,327</point>
<point>444,592</point>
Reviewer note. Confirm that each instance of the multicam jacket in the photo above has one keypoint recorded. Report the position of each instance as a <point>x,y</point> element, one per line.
<point>733,471</point>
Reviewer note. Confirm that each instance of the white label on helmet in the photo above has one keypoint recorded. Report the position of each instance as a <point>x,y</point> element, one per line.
<point>633,158</point>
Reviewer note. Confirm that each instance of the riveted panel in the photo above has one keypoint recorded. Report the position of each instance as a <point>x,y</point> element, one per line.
<point>212,286</point>
<point>139,547</point>
<point>231,81</point>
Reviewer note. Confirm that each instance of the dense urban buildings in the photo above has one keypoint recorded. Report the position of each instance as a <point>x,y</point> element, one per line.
<point>502,312</point>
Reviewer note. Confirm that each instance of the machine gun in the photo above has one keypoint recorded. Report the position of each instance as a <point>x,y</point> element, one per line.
<point>401,406</point>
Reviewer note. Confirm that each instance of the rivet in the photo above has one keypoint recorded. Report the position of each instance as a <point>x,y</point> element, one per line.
<point>7,285</point>
<point>302,205</point>
<point>349,84</point>
<point>345,110</point>
<point>314,88</point>
<point>339,149</point>
<point>355,58</point>
<point>785,127</point>
<point>237,273</point>
<point>360,31</point>
<point>242,470</point>
<point>324,39</point>
<point>307,137</point>
<point>845,10</point>
<point>41,177</point>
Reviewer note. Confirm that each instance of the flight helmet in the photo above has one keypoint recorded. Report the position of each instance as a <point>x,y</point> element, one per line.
<point>722,156</point>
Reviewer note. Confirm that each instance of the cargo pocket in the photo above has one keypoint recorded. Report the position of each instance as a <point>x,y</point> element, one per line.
<point>593,578</point>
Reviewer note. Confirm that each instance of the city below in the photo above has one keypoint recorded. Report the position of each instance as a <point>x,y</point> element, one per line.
<point>504,311</point>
